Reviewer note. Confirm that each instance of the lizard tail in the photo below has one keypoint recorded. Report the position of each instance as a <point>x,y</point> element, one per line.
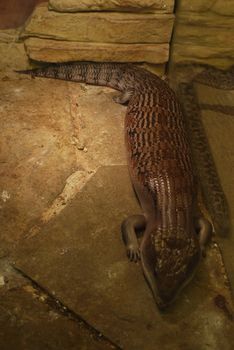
<point>106,74</point>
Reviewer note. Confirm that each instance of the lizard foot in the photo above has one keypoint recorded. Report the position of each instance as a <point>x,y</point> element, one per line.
<point>129,233</point>
<point>204,229</point>
<point>133,253</point>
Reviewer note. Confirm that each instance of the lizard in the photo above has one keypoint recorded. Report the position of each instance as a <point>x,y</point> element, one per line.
<point>169,236</point>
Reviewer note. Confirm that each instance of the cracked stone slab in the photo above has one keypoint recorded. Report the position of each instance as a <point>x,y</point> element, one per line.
<point>80,259</point>
<point>32,320</point>
<point>65,131</point>
<point>35,141</point>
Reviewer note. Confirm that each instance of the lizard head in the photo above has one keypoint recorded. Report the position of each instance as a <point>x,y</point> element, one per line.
<point>169,260</point>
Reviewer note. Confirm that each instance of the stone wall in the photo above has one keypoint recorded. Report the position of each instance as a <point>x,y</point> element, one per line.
<point>97,30</point>
<point>13,13</point>
<point>204,32</point>
<point>132,31</point>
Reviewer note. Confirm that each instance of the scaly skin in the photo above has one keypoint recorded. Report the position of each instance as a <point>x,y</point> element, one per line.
<point>161,172</point>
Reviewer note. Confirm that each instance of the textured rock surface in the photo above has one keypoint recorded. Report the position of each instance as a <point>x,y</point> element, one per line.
<point>218,30</point>
<point>12,53</point>
<point>216,56</point>
<point>9,35</point>
<point>60,51</point>
<point>202,34</point>
<point>50,135</point>
<point>31,320</point>
<point>39,148</point>
<point>15,58</point>
<point>216,6</point>
<point>100,27</point>
<point>112,5</point>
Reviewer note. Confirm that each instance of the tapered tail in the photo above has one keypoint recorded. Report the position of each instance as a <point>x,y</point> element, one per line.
<point>27,71</point>
<point>107,74</point>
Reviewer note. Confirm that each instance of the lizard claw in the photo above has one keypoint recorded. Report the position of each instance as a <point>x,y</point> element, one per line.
<point>133,253</point>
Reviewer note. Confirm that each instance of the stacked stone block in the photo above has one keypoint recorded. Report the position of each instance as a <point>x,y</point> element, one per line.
<point>96,30</point>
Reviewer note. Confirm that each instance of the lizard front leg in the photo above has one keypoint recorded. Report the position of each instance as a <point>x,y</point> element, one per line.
<point>130,230</point>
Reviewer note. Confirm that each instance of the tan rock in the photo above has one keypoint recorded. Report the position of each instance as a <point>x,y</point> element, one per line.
<point>12,54</point>
<point>204,38</point>
<point>13,57</point>
<point>201,35</point>
<point>206,20</point>
<point>107,27</point>
<point>194,5</point>
<point>224,7</point>
<point>218,6</point>
<point>61,51</point>
<point>35,140</point>
<point>9,35</point>
<point>112,5</point>
<point>194,53</point>
<point>203,51</point>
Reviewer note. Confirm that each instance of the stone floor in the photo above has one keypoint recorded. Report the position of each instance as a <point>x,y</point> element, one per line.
<point>65,282</point>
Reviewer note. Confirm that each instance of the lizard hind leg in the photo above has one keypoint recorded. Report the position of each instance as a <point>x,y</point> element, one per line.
<point>204,229</point>
<point>130,231</point>
<point>123,98</point>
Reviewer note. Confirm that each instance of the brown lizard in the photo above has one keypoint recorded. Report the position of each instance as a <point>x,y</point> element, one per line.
<point>161,171</point>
